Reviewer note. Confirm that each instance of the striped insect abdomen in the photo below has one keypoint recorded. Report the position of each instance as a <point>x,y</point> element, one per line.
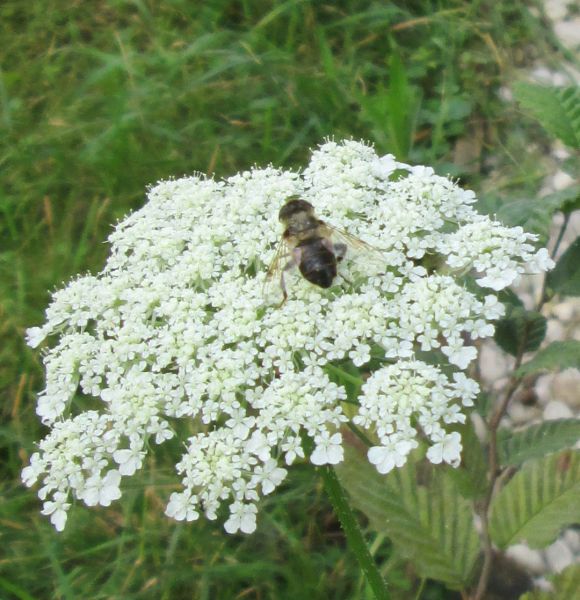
<point>317,263</point>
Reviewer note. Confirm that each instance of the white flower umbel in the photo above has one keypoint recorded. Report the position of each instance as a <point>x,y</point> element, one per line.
<point>177,334</point>
<point>395,394</point>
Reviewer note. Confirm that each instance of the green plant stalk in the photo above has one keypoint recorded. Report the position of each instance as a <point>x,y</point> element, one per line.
<point>354,536</point>
<point>492,426</point>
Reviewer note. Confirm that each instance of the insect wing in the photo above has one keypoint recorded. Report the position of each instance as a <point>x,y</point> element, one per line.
<point>351,241</point>
<point>278,264</point>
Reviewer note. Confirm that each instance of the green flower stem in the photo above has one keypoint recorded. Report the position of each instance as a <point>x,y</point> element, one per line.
<point>359,434</point>
<point>354,536</point>
<point>343,375</point>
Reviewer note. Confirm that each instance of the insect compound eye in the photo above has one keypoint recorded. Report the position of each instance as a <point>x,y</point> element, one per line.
<point>294,205</point>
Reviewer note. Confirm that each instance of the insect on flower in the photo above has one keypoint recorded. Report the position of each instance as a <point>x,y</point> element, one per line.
<point>312,245</point>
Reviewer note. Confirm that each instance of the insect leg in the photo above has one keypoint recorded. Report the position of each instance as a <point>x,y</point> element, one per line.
<point>283,287</point>
<point>295,260</point>
<point>339,251</point>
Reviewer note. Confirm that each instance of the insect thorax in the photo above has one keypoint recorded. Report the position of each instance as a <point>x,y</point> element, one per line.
<point>301,226</point>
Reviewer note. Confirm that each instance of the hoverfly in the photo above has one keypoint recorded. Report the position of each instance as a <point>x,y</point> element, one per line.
<point>312,245</point>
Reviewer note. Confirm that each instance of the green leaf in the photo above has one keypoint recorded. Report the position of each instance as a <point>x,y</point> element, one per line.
<point>432,524</point>
<point>508,296</point>
<point>565,278</point>
<point>538,502</point>
<point>566,585</point>
<point>557,109</point>
<point>347,375</point>
<point>533,215</point>
<point>489,203</point>
<point>538,440</point>
<point>570,99</point>
<point>519,330</point>
<point>556,356</point>
<point>484,403</point>
<point>471,475</point>
<point>566,201</point>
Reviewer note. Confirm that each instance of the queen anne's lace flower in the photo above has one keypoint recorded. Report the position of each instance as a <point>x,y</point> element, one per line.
<point>177,328</point>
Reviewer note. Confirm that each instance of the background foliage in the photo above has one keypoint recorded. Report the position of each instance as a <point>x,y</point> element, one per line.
<point>100,99</point>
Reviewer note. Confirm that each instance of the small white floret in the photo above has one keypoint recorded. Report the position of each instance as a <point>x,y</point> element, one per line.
<point>446,449</point>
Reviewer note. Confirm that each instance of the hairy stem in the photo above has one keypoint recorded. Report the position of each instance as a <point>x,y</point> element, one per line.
<point>354,536</point>
<point>494,471</point>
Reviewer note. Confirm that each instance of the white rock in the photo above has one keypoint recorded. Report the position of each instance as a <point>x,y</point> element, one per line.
<point>505,423</point>
<point>562,180</point>
<point>564,310</point>
<point>506,94</point>
<point>559,556</point>
<point>559,79</point>
<point>542,74</point>
<point>560,151</point>
<point>568,32</point>
<point>566,387</point>
<point>479,425</point>
<point>544,388</point>
<point>574,221</point>
<point>556,9</point>
<point>493,365</point>
<point>526,292</point>
<point>499,385</point>
<point>572,538</point>
<point>555,331</point>
<point>520,414</point>
<point>557,410</point>
<point>528,558</point>
<point>574,74</point>
<point>541,583</point>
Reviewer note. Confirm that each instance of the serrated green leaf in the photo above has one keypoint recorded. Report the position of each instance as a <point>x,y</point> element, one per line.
<point>570,100</point>
<point>556,356</point>
<point>471,475</point>
<point>508,296</point>
<point>538,440</point>
<point>431,525</point>
<point>538,502</point>
<point>566,585</point>
<point>557,109</point>
<point>567,200</point>
<point>565,278</point>
<point>533,215</point>
<point>519,330</point>
<point>488,203</point>
<point>537,595</point>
